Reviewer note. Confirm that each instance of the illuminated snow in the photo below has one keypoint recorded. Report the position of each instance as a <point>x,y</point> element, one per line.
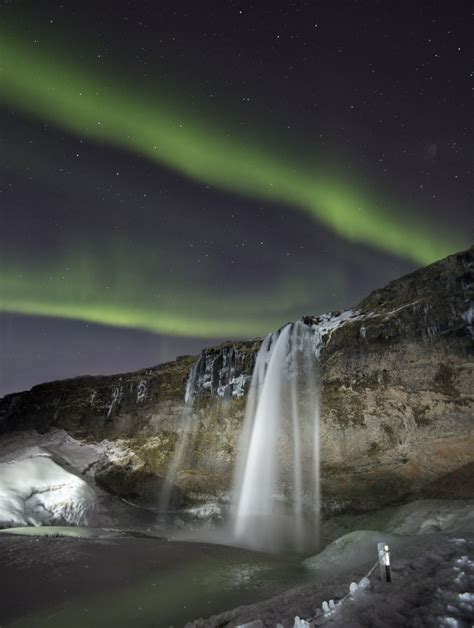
<point>37,491</point>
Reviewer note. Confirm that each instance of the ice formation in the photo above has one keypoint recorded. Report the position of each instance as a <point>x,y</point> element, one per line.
<point>37,491</point>
<point>219,373</point>
<point>301,623</point>
<point>350,551</point>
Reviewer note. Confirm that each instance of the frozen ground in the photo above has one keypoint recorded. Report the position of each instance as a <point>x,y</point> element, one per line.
<point>433,584</point>
<point>422,516</point>
<point>432,544</point>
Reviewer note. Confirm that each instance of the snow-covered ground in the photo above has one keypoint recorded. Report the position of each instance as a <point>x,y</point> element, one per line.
<point>423,516</point>
<point>435,587</point>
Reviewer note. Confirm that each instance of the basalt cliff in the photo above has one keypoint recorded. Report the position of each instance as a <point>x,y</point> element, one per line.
<point>397,399</point>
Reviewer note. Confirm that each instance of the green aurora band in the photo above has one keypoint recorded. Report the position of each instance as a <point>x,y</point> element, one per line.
<point>128,299</point>
<point>94,107</point>
<point>88,105</point>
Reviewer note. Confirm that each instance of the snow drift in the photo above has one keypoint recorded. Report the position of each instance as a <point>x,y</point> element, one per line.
<point>37,491</point>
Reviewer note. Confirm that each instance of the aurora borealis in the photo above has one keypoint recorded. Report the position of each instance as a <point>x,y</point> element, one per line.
<point>76,101</point>
<point>137,194</point>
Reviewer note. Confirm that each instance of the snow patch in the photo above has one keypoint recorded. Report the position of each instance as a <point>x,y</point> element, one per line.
<point>36,491</point>
<point>53,531</point>
<point>116,451</point>
<point>328,323</point>
<point>351,551</point>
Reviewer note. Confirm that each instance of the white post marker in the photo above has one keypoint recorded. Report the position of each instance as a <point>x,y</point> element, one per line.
<point>384,562</point>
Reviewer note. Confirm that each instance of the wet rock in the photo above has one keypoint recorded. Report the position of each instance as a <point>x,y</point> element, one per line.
<point>138,486</point>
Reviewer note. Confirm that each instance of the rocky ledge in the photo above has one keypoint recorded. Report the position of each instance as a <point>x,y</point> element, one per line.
<point>397,402</point>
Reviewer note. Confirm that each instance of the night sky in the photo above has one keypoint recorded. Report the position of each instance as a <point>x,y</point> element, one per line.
<point>173,174</point>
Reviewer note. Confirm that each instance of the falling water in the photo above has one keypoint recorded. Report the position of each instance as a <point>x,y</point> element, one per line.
<point>276,483</point>
<point>186,439</point>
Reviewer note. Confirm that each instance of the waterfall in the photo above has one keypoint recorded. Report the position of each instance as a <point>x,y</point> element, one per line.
<point>186,440</point>
<point>276,498</point>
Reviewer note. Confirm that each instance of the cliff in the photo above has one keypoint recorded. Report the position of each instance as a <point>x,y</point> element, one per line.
<point>397,402</point>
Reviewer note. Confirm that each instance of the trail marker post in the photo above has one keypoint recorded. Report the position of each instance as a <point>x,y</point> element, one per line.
<point>384,562</point>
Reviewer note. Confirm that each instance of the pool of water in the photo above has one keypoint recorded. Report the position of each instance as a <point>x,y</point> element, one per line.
<point>129,581</point>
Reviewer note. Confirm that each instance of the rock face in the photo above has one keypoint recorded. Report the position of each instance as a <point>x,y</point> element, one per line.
<point>397,401</point>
